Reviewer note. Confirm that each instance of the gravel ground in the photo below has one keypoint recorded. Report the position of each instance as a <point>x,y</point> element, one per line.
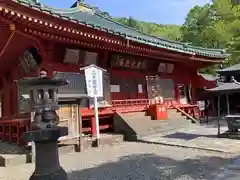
<point>133,161</point>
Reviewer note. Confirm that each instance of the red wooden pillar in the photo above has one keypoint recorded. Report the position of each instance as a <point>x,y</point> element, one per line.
<point>194,99</point>
<point>194,87</point>
<point>93,126</point>
<point>46,60</point>
<point>15,101</point>
<point>14,88</point>
<point>6,98</point>
<point>2,104</point>
<point>177,93</point>
<point>103,59</point>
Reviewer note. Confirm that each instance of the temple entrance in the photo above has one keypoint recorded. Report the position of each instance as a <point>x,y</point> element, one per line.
<point>159,88</point>
<point>128,86</point>
<point>185,93</point>
<point>68,116</point>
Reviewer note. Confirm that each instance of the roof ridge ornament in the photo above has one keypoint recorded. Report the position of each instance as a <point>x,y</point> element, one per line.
<point>83,7</point>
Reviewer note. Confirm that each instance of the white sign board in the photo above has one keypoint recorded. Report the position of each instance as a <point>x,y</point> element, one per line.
<point>201,105</point>
<point>114,88</point>
<point>94,81</point>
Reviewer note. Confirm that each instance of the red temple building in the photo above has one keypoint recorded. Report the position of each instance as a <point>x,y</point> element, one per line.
<point>141,69</point>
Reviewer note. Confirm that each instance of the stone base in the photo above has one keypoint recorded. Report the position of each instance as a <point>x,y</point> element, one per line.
<point>46,134</point>
<point>230,135</point>
<point>96,143</point>
<point>58,175</point>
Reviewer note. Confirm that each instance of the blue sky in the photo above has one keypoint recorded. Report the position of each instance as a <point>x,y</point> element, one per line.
<point>158,11</point>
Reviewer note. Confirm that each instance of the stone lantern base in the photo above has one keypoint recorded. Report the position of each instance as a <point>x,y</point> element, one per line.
<point>47,166</point>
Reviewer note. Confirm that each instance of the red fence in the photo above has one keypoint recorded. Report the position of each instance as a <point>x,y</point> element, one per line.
<point>12,130</point>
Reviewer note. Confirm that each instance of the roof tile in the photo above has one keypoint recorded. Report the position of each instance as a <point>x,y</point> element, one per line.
<point>97,21</point>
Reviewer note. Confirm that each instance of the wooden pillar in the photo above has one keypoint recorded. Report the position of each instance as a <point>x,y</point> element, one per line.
<point>177,93</point>
<point>193,92</point>
<point>46,60</point>
<point>228,107</point>
<point>15,100</point>
<point>6,98</point>
<point>103,60</point>
<point>14,87</point>
<point>219,114</point>
<point>2,104</point>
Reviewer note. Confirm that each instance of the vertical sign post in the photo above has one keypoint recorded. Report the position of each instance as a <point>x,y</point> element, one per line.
<point>33,150</point>
<point>94,83</point>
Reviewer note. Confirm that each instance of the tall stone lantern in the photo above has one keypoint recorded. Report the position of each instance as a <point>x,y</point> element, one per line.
<point>44,127</point>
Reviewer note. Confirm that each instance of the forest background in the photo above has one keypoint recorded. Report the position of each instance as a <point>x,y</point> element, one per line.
<point>214,25</point>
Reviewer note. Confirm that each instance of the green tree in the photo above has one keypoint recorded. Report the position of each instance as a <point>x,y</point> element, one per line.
<point>215,26</point>
<point>164,31</point>
<point>131,22</point>
<point>196,21</point>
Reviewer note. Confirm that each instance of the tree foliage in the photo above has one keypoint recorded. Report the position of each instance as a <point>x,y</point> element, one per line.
<point>165,31</point>
<point>215,25</point>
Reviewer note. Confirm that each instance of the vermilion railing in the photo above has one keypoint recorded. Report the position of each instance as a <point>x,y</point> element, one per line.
<point>12,129</point>
<point>130,105</point>
<point>141,102</point>
<point>192,110</point>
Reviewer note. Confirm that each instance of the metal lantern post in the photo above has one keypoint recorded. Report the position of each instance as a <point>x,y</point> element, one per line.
<point>44,127</point>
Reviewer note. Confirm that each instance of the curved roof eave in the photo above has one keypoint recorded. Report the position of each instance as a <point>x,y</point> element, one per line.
<point>125,31</point>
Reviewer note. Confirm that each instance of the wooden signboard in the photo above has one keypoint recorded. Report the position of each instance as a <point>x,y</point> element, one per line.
<point>71,56</point>
<point>81,57</point>
<point>28,62</point>
<point>121,61</point>
<point>165,67</point>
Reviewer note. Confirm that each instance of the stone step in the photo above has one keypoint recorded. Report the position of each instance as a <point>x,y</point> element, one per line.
<point>140,126</point>
<point>134,114</point>
<point>105,140</point>
<point>12,154</point>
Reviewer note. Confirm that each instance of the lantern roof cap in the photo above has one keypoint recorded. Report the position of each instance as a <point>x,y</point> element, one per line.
<point>45,81</point>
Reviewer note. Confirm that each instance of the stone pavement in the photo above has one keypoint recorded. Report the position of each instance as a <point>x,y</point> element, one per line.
<point>133,161</point>
<point>230,172</point>
<point>197,137</point>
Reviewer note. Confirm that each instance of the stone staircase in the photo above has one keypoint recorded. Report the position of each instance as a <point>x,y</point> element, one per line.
<point>138,124</point>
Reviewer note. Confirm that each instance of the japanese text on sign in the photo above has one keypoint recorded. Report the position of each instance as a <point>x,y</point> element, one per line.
<point>94,82</point>
<point>125,62</point>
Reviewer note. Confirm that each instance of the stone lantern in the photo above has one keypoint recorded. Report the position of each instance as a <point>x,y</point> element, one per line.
<point>44,130</point>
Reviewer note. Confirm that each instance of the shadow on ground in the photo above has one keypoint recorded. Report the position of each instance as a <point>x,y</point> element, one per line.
<point>187,136</point>
<point>213,122</point>
<point>152,167</point>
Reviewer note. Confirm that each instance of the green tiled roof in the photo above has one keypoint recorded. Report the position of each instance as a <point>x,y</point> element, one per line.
<point>97,21</point>
<point>225,87</point>
<point>234,68</point>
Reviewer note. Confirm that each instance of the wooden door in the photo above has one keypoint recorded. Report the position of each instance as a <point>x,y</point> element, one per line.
<point>130,87</point>
<point>183,94</point>
<point>141,88</point>
<point>68,116</point>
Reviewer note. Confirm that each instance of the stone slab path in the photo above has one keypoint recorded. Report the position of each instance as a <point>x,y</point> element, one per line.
<point>198,137</point>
